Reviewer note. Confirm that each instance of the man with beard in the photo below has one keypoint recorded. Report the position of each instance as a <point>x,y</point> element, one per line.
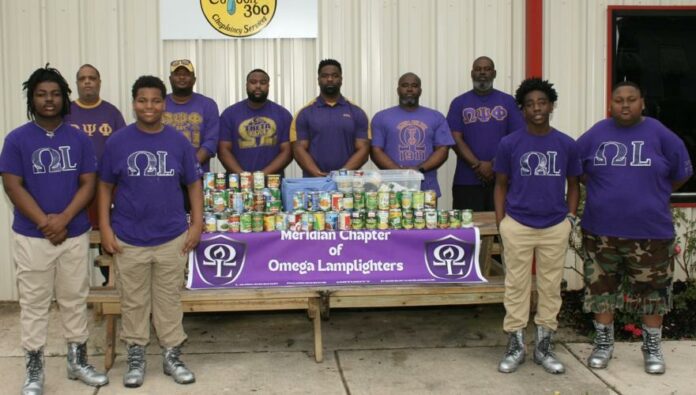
<point>479,119</point>
<point>410,136</point>
<point>330,132</point>
<point>254,132</point>
<point>194,115</point>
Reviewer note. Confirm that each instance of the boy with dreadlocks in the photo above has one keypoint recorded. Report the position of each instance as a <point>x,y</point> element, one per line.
<point>533,166</point>
<point>48,172</point>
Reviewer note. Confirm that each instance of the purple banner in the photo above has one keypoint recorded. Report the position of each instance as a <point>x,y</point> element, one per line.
<point>272,259</point>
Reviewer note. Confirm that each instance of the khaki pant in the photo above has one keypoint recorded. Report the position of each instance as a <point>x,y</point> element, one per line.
<point>149,280</point>
<point>43,268</point>
<point>549,247</point>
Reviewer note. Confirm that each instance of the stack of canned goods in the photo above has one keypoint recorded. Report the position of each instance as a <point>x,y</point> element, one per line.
<point>240,202</point>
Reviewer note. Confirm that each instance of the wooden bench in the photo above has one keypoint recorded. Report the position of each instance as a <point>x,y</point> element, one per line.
<point>319,300</point>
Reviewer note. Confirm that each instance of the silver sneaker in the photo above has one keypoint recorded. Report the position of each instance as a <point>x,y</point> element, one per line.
<point>514,354</point>
<point>173,366</point>
<point>603,346</point>
<point>34,382</point>
<point>543,351</point>
<point>135,375</point>
<point>652,350</point>
<point>79,369</point>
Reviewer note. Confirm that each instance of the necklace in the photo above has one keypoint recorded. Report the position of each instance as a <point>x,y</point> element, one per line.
<point>49,133</point>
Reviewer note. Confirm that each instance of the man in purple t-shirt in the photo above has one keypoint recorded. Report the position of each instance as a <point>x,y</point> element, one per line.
<point>533,166</point>
<point>478,119</point>
<point>632,164</point>
<point>194,115</point>
<point>48,172</point>
<point>410,136</point>
<point>254,132</point>
<point>146,231</point>
<point>330,132</point>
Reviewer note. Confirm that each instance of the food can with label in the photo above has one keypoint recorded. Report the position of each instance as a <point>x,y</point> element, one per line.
<point>395,218</point>
<point>233,220</point>
<point>371,200</point>
<point>319,220</point>
<point>324,201</point>
<point>307,224</point>
<point>313,202</point>
<point>418,219</point>
<point>382,200</point>
<point>259,201</point>
<point>359,201</point>
<point>406,200</point>
<point>208,199</point>
<point>331,219</point>
<point>245,222</point>
<point>269,222</point>
<point>273,180</point>
<point>282,221</point>
<point>233,181</point>
<point>394,200</point>
<point>259,180</point>
<point>344,221</point>
<point>348,202</point>
<point>220,181</point>
<point>407,219</point>
<point>467,218</point>
<point>418,200</point>
<point>257,221</point>
<point>237,201</point>
<point>442,219</point>
<point>357,220</point>
<point>371,220</point>
<point>246,181</point>
<point>383,219</point>
<point>336,201</point>
<point>221,223</point>
<point>430,218</point>
<point>208,181</point>
<point>274,201</point>
<point>430,200</point>
<point>210,222</point>
<point>455,219</point>
<point>219,203</point>
<point>299,201</point>
<point>248,198</point>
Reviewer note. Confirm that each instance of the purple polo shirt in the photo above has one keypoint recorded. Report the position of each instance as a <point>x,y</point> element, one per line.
<point>255,134</point>
<point>483,121</point>
<point>331,131</point>
<point>537,168</point>
<point>97,122</point>
<point>410,137</point>
<point>148,171</point>
<point>198,119</point>
<point>50,168</point>
<point>629,173</point>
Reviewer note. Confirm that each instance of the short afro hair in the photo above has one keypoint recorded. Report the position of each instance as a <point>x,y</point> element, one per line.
<point>627,83</point>
<point>148,81</point>
<point>535,84</point>
<point>329,62</point>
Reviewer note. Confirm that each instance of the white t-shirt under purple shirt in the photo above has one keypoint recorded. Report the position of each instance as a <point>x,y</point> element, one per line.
<point>50,168</point>
<point>537,168</point>
<point>148,171</point>
<point>629,172</point>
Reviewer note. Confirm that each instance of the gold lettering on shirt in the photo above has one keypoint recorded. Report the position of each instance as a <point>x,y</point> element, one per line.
<point>189,124</point>
<point>257,132</point>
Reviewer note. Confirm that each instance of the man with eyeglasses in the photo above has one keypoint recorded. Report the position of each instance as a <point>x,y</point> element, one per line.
<point>193,114</point>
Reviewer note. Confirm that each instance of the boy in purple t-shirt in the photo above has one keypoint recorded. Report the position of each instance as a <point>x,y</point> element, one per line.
<point>254,132</point>
<point>147,230</point>
<point>410,136</point>
<point>632,164</point>
<point>48,171</point>
<point>533,166</point>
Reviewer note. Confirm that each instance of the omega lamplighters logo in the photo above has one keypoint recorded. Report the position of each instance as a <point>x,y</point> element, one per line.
<point>238,18</point>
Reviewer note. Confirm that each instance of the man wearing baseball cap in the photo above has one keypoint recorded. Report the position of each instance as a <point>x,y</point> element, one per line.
<point>193,114</point>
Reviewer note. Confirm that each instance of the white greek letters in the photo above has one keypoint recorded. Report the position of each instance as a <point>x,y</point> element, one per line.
<point>545,164</point>
<point>620,154</point>
<point>59,160</point>
<point>156,165</point>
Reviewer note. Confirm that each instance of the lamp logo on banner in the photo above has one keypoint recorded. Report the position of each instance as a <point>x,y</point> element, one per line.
<point>449,258</point>
<point>238,18</point>
<point>223,261</point>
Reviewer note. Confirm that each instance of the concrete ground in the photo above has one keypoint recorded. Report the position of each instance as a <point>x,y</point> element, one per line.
<point>384,351</point>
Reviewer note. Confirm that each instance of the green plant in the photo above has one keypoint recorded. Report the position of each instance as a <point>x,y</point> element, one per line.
<point>685,243</point>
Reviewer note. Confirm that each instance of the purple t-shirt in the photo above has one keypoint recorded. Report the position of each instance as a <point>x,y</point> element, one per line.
<point>148,171</point>
<point>409,137</point>
<point>198,119</point>
<point>537,168</point>
<point>50,168</point>
<point>331,131</point>
<point>97,122</point>
<point>256,134</point>
<point>629,172</point>
<point>483,121</point>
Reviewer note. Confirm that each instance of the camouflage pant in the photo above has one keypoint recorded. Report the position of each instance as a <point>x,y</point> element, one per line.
<point>627,274</point>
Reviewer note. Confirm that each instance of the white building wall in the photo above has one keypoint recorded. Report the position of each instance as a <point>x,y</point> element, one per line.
<point>375,40</point>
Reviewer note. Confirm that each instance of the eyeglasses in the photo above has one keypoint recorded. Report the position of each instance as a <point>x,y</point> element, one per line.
<point>180,62</point>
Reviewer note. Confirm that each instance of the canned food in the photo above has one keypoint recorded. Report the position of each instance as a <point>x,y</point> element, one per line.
<point>269,222</point>
<point>418,200</point>
<point>248,198</point>
<point>467,218</point>
<point>233,181</point>
<point>221,223</point>
<point>233,221</point>
<point>210,222</point>
<point>371,220</point>
<point>382,200</point>
<point>208,199</point>
<point>383,219</point>
<point>407,219</point>
<point>274,201</point>
<point>455,219</point>
<point>357,220</point>
<point>236,201</point>
<point>394,200</point>
<point>331,219</point>
<point>371,200</point>
<point>442,219</point>
<point>406,199</point>
<point>219,203</point>
<point>245,222</point>
<point>359,201</point>
<point>299,201</point>
<point>259,180</point>
<point>273,180</point>
<point>281,222</point>
<point>246,181</point>
<point>314,201</point>
<point>395,218</point>
<point>259,201</point>
<point>257,222</point>
<point>319,220</point>
<point>220,181</point>
<point>430,218</point>
<point>336,201</point>
<point>430,200</point>
<point>348,202</point>
<point>418,219</point>
<point>324,201</point>
<point>344,220</point>
<point>208,181</point>
<point>307,223</point>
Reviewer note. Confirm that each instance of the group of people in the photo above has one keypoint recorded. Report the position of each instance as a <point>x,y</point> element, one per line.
<point>147,180</point>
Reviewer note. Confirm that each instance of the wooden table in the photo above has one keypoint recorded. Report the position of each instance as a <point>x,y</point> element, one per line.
<point>319,300</point>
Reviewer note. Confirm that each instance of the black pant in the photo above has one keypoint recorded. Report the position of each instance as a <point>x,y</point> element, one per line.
<point>474,197</point>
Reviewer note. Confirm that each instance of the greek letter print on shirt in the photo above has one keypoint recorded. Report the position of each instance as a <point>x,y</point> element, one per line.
<point>57,160</point>
<point>156,165</point>
<point>620,154</point>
